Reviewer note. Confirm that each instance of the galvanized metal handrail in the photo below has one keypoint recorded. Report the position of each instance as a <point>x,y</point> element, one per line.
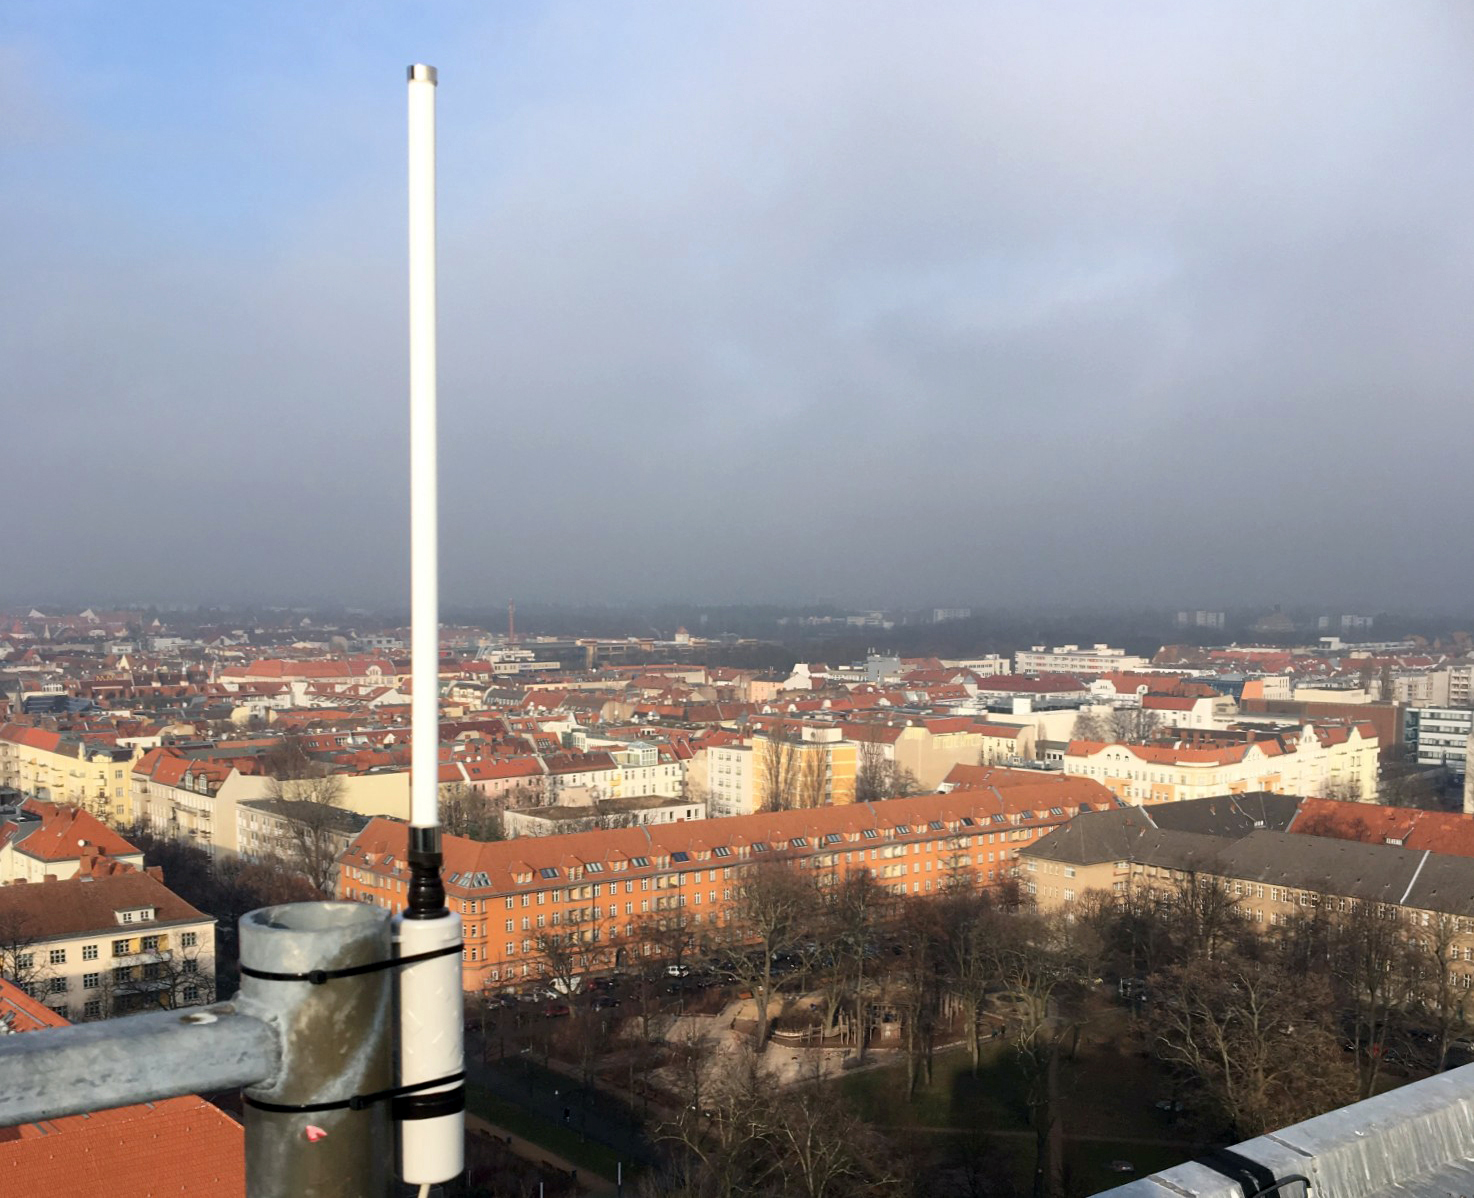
<point>294,1047</point>
<point>138,1058</point>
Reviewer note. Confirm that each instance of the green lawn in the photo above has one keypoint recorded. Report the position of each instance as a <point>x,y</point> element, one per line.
<point>586,1154</point>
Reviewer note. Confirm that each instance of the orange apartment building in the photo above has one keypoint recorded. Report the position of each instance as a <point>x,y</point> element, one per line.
<point>602,886</point>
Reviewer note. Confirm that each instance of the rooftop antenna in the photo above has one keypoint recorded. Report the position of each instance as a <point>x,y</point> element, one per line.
<point>429,1121</point>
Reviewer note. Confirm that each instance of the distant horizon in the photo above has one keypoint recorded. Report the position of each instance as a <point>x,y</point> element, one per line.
<point>494,614</point>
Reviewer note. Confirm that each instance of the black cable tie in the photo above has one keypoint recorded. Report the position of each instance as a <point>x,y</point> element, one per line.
<point>358,1102</point>
<point>318,977</point>
<point>1253,1177</point>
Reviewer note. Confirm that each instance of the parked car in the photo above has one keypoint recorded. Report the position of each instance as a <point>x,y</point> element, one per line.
<point>554,1010</point>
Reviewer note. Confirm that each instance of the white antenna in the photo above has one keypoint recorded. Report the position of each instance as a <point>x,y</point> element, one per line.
<point>430,1121</point>
<point>424,500</point>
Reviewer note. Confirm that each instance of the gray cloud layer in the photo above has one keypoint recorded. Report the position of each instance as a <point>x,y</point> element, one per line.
<point>939,302</point>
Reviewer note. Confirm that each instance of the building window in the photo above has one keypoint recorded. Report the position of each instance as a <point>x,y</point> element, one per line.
<point>191,994</point>
<point>150,944</point>
<point>58,986</point>
<point>120,948</point>
<point>58,956</point>
<point>189,939</point>
<point>91,981</point>
<point>92,1009</point>
<point>89,952</point>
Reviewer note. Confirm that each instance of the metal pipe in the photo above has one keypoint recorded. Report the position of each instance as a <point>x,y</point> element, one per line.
<point>140,1058</point>
<point>336,1045</point>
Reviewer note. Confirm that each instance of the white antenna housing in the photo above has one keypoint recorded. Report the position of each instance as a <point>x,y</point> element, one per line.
<point>430,1122</point>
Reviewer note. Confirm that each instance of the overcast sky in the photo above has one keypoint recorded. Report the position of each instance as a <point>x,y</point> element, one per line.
<point>864,302</point>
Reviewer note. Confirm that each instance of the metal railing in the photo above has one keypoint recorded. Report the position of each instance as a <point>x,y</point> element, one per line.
<point>312,1054</point>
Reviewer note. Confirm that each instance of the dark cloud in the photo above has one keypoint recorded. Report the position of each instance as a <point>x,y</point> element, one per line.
<point>941,302</point>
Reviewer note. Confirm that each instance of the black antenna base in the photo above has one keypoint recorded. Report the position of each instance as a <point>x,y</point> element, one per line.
<point>426,898</point>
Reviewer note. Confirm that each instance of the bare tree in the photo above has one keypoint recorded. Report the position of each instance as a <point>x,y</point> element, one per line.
<point>311,835</point>
<point>565,958</point>
<point>1256,1039</point>
<point>854,909</point>
<point>1207,915</point>
<point>774,908</point>
<point>1369,967</point>
<point>24,961</point>
<point>1132,725</point>
<point>467,811</point>
<point>916,989</point>
<point>746,1135</point>
<point>669,936</point>
<point>813,776</point>
<point>168,979</point>
<point>287,759</point>
<point>877,773</point>
<point>1089,725</point>
<point>970,928</point>
<point>1435,988</point>
<point>1043,963</point>
<point>778,755</point>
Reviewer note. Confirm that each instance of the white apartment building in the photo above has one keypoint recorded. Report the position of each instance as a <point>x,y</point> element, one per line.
<point>193,799</point>
<point>1461,685</point>
<point>103,945</point>
<point>731,780</point>
<point>1439,736</point>
<point>1327,762</point>
<point>1072,659</point>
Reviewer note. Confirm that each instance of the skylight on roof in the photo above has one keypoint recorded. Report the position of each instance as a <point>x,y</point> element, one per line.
<point>831,837</point>
<point>967,821</point>
<point>799,842</point>
<point>721,851</point>
<point>935,825</point>
<point>903,829</point>
<point>1056,811</point>
<point>594,867</point>
<point>680,855</point>
<point>760,846</point>
<point>550,871</point>
<point>870,833</point>
<point>640,862</point>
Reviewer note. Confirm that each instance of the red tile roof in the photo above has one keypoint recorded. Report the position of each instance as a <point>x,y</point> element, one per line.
<point>64,832</point>
<point>173,1146</point>
<point>80,905</point>
<point>1410,827</point>
<point>501,861</point>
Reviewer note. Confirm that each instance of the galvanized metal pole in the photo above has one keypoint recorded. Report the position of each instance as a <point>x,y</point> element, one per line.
<point>140,1058</point>
<point>336,1045</point>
